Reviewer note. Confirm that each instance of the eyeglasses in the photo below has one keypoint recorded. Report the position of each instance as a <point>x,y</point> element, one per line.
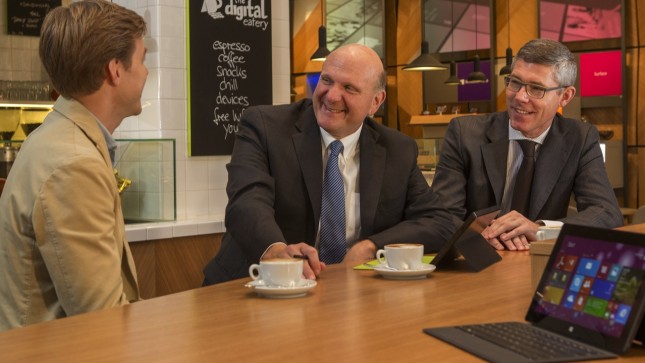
<point>533,90</point>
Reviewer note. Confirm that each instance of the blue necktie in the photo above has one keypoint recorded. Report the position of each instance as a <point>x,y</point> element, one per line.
<point>333,244</point>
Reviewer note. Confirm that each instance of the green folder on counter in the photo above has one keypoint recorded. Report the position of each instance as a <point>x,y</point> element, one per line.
<point>370,265</point>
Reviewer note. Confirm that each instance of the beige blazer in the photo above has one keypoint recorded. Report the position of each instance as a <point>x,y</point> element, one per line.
<point>62,238</point>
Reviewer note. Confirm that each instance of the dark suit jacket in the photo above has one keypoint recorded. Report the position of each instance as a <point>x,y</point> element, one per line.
<point>472,171</point>
<point>275,188</point>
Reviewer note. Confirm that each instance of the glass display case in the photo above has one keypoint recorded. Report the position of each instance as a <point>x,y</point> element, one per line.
<point>150,166</point>
<point>429,150</point>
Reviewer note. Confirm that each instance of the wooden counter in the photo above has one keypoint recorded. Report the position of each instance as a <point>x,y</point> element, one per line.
<point>351,316</point>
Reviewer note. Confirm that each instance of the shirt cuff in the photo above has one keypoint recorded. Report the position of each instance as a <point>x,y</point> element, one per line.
<point>268,248</point>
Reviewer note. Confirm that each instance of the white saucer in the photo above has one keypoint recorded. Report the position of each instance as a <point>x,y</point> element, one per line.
<point>281,292</point>
<point>391,273</point>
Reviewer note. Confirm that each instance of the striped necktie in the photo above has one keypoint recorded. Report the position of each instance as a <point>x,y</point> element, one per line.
<point>333,243</point>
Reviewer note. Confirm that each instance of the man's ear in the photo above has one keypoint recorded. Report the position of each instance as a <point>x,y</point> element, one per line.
<point>567,96</point>
<point>377,101</point>
<point>113,72</point>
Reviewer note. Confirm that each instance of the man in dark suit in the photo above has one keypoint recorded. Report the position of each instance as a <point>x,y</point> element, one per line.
<point>276,175</point>
<point>481,155</point>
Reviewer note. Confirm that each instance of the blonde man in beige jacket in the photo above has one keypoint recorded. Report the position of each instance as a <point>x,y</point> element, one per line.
<point>62,238</point>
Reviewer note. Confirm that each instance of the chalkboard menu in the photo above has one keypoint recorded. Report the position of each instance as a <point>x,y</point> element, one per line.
<point>229,69</point>
<point>25,17</point>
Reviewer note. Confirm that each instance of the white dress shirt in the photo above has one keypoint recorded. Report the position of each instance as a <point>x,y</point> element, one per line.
<point>349,165</point>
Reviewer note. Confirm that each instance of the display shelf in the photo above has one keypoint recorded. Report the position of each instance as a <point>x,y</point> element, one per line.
<point>26,104</point>
<point>442,119</point>
<point>434,126</point>
<point>601,102</point>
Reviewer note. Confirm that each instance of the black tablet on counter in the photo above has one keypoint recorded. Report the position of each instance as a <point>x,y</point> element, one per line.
<point>468,245</point>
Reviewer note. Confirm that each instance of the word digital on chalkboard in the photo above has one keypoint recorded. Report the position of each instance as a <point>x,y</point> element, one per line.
<point>25,17</point>
<point>229,69</point>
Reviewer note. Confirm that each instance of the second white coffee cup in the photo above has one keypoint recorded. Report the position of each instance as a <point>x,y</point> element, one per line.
<point>401,256</point>
<point>278,272</point>
<point>548,233</point>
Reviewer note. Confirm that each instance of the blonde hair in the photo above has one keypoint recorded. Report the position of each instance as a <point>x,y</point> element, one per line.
<point>78,41</point>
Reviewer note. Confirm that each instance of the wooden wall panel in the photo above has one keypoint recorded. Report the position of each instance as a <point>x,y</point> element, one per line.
<point>637,97</point>
<point>172,265</point>
<point>634,177</point>
<point>143,254</point>
<point>410,83</point>
<point>180,262</point>
<point>631,93</point>
<point>305,43</point>
<point>523,27</point>
<point>635,91</point>
<point>634,29</point>
<point>391,43</point>
<point>523,24</point>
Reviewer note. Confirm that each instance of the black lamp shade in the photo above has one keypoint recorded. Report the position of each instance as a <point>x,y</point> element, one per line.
<point>506,70</point>
<point>453,80</point>
<point>322,52</point>
<point>425,61</point>
<point>477,76</point>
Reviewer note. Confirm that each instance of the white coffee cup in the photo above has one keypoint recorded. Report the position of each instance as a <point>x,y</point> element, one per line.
<point>278,272</point>
<point>401,256</point>
<point>545,232</point>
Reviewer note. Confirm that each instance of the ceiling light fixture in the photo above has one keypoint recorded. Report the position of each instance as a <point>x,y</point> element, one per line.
<point>452,80</point>
<point>322,52</point>
<point>506,70</point>
<point>476,76</point>
<point>425,61</point>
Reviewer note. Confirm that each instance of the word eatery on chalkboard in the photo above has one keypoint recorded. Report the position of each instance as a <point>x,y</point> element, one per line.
<point>249,14</point>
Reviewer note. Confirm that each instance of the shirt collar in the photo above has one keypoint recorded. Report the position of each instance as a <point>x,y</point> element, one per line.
<point>349,141</point>
<point>517,135</point>
<point>109,141</point>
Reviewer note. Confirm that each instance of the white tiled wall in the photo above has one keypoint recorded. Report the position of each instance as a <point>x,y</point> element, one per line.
<point>201,181</point>
<point>19,59</point>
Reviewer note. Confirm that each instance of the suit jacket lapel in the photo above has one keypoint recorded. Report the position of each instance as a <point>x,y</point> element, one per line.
<point>307,145</point>
<point>495,151</point>
<point>372,159</point>
<point>552,157</point>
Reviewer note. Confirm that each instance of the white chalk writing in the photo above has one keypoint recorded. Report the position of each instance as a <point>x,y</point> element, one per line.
<point>230,72</point>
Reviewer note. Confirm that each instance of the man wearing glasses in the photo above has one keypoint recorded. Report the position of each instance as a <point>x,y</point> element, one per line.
<point>482,157</point>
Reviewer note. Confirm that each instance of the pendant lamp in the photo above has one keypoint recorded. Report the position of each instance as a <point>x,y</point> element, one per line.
<point>322,52</point>
<point>452,80</point>
<point>476,76</point>
<point>425,61</point>
<point>506,70</point>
